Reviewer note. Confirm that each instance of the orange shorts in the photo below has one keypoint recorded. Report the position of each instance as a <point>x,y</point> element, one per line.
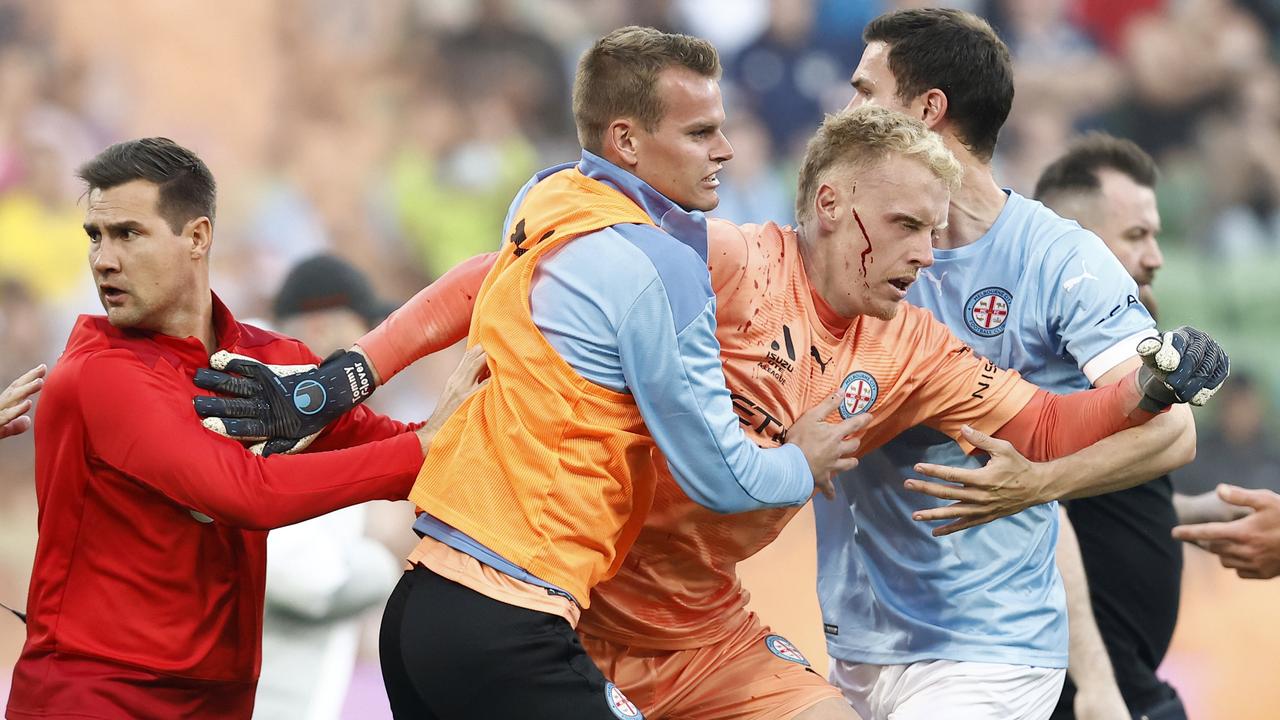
<point>751,675</point>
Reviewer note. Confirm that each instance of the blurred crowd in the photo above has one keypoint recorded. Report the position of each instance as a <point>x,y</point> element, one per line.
<point>394,133</point>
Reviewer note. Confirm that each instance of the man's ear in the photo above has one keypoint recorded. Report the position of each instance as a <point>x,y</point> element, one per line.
<point>826,207</point>
<point>621,143</point>
<point>933,107</point>
<point>200,233</point>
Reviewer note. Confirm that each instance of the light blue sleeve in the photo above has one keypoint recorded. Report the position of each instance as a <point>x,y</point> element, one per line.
<point>1097,318</point>
<point>671,362</point>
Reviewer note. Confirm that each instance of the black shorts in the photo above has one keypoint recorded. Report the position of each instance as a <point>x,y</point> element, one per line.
<point>450,653</point>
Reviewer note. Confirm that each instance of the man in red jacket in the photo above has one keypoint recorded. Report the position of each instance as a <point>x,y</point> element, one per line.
<point>147,590</point>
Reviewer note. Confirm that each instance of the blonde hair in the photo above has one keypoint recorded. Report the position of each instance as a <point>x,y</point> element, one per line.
<point>863,137</point>
<point>617,75</point>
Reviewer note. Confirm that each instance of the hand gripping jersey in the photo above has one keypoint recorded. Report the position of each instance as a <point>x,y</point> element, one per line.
<point>542,467</point>
<point>678,588</point>
<point>1036,294</point>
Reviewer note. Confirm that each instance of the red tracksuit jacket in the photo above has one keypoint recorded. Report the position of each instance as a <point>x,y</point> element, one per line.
<point>138,608</point>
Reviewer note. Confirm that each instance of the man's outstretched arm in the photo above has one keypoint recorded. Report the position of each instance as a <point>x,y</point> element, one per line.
<point>291,408</point>
<point>1126,458</point>
<point>137,424</point>
<point>436,317</point>
<point>1077,441</point>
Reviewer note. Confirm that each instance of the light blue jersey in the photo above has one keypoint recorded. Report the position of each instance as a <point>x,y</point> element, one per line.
<point>1036,294</point>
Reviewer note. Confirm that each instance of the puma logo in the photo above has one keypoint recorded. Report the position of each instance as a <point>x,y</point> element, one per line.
<point>813,351</point>
<point>1070,283</point>
<point>937,281</point>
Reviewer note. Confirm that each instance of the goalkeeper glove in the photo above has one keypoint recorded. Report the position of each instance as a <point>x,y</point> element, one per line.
<point>1184,365</point>
<point>285,406</point>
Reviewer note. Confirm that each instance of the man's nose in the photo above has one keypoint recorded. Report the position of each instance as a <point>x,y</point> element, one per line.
<point>723,151</point>
<point>103,258</point>
<point>1153,258</point>
<point>922,251</point>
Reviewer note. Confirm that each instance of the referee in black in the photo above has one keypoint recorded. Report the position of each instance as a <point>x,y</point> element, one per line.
<point>1133,566</point>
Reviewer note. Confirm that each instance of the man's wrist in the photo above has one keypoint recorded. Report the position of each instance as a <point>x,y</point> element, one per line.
<point>1053,479</point>
<point>352,373</point>
<point>368,362</point>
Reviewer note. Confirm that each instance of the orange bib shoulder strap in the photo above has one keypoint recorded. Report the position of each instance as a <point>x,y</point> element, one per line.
<point>561,207</point>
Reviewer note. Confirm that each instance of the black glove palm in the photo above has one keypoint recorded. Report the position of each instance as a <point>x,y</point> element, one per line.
<point>286,406</point>
<point>1181,366</point>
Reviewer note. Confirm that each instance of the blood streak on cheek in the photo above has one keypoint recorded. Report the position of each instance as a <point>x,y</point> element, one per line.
<point>865,236</point>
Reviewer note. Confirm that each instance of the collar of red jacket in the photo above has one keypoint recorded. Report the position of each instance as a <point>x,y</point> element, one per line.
<point>188,351</point>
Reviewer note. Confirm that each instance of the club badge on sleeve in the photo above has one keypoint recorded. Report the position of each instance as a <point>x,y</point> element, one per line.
<point>620,705</point>
<point>784,649</point>
<point>987,310</point>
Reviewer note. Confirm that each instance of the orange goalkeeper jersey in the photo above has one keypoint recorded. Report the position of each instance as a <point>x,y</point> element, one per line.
<point>784,350</point>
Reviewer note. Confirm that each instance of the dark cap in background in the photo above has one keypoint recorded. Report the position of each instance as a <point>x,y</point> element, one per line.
<point>325,282</point>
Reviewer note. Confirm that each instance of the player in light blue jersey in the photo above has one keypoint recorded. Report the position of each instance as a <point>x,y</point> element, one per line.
<point>918,618</point>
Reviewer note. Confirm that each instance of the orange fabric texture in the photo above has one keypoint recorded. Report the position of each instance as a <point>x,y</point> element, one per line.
<point>678,587</point>
<point>1051,426</point>
<point>737,678</point>
<point>543,467</point>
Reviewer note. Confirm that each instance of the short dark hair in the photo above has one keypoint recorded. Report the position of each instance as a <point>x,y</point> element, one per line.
<point>187,189</point>
<point>617,75</point>
<point>1077,169</point>
<point>958,53</point>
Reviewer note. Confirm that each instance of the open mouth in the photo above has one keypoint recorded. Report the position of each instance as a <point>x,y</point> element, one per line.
<point>713,179</point>
<point>111,293</point>
<point>902,283</point>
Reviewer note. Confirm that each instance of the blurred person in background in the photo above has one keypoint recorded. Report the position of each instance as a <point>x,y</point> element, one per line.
<point>785,78</point>
<point>752,188</point>
<point>339,108</point>
<point>162,521</point>
<point>1241,148</point>
<point>456,166</point>
<point>727,24</point>
<point>323,573</point>
<point>1048,50</point>
<point>42,136</point>
<point>512,59</point>
<point>1050,53</point>
<point>40,236</point>
<point>1183,62</point>
<point>24,327</point>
